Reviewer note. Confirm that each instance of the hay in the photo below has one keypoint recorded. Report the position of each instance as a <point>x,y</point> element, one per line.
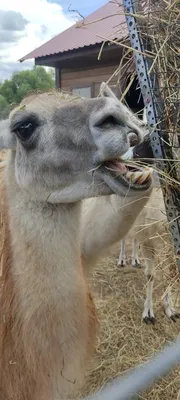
<point>159,22</point>
<point>162,29</point>
<point>124,340</point>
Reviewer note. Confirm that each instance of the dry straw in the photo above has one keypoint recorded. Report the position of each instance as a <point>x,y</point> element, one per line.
<point>124,340</point>
<point>159,21</point>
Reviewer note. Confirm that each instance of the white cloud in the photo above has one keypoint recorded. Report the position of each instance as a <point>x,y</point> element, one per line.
<point>45,20</point>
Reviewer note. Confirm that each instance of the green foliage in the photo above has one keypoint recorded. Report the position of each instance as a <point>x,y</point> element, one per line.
<point>4,108</point>
<point>12,91</point>
<point>8,90</point>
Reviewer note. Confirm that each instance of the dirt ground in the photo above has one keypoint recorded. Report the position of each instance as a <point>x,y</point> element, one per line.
<point>124,340</point>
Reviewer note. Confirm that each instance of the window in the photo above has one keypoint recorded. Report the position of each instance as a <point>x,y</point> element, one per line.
<point>83,91</point>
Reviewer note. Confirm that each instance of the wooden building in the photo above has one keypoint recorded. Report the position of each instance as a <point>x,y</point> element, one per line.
<point>86,54</point>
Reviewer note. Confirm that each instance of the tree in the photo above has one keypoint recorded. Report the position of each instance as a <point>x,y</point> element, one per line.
<point>4,108</point>
<point>8,91</point>
<point>52,73</point>
<point>24,82</point>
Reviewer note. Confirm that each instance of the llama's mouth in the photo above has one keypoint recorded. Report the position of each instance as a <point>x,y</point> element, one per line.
<point>129,174</point>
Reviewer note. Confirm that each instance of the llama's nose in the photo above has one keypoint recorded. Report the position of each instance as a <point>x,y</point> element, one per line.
<point>144,150</point>
<point>133,138</point>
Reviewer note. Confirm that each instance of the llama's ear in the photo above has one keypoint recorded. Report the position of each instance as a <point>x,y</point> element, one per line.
<point>7,140</point>
<point>105,91</point>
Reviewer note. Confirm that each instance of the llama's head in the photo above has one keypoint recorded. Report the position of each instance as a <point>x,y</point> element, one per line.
<point>62,147</point>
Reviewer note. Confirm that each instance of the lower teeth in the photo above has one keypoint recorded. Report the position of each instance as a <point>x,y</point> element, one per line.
<point>136,177</point>
<point>139,177</point>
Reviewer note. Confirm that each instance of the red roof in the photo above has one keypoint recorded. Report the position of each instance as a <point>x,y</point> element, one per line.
<point>90,31</point>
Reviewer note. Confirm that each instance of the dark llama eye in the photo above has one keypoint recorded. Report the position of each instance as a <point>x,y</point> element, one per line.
<point>25,131</point>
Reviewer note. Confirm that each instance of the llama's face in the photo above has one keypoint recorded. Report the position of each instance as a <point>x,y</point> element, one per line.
<point>65,149</point>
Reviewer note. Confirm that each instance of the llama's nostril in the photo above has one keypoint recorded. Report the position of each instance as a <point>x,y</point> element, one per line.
<point>133,138</point>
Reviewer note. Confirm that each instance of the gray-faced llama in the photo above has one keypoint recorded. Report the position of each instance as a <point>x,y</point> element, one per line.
<point>61,151</point>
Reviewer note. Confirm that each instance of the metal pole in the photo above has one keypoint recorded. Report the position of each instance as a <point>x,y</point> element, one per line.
<point>154,111</point>
<point>142,376</point>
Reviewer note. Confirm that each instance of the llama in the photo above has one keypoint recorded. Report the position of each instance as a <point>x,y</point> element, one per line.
<point>122,255</point>
<point>100,234</point>
<point>155,245</point>
<point>60,152</point>
<point>151,233</point>
<point>135,245</point>
<point>149,230</point>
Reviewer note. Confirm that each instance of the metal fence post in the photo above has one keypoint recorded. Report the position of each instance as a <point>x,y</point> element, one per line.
<point>154,111</point>
<point>142,376</point>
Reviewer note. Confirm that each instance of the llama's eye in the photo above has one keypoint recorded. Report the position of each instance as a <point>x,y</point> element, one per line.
<point>25,130</point>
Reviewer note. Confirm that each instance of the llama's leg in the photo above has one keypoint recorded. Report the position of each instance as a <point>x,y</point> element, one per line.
<point>135,259</point>
<point>169,307</point>
<point>122,255</point>
<point>148,314</point>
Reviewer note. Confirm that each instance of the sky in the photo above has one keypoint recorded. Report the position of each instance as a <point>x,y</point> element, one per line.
<point>27,24</point>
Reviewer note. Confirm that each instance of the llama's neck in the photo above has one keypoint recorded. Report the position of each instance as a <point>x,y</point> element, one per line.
<point>45,242</point>
<point>51,295</point>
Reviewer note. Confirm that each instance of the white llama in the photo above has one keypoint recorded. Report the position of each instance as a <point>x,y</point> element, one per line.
<point>105,222</point>
<point>151,234</point>
<point>122,260</point>
<point>135,246</point>
<point>60,152</point>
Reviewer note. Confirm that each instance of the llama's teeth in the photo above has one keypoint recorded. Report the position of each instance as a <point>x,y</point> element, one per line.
<point>145,176</point>
<point>148,176</point>
<point>129,175</point>
<point>139,176</point>
<point>136,176</point>
<point>149,169</point>
<point>133,176</point>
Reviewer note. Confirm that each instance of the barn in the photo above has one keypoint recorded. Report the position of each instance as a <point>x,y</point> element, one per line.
<point>89,52</point>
